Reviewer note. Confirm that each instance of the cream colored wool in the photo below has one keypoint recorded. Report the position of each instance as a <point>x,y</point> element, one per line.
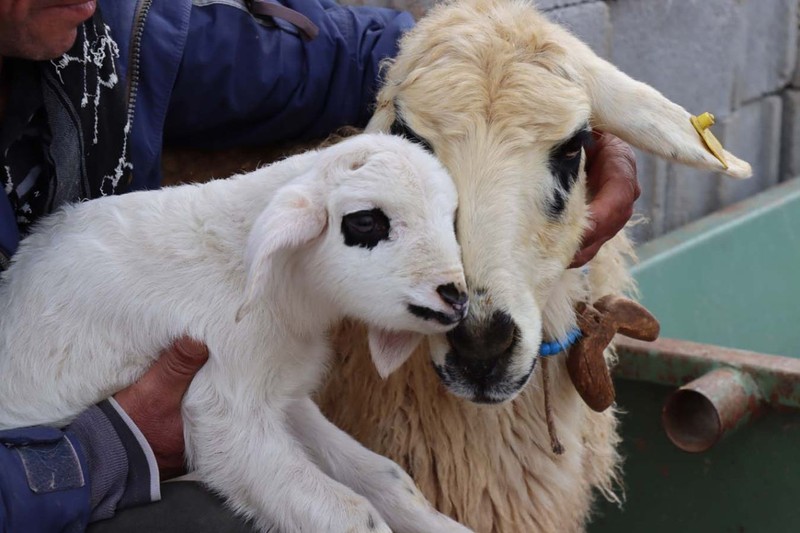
<point>489,467</point>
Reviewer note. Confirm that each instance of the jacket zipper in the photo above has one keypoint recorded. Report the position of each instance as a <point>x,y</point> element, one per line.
<point>134,53</point>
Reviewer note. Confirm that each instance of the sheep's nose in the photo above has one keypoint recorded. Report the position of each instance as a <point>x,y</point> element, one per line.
<point>487,341</point>
<point>453,297</point>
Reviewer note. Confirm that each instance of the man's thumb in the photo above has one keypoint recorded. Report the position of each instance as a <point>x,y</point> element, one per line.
<point>180,362</point>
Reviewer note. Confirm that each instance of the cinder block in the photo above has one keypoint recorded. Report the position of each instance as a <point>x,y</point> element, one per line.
<point>796,77</point>
<point>687,50</point>
<point>674,194</point>
<point>771,48</point>
<point>545,5</point>
<point>754,134</point>
<point>419,7</point>
<point>690,194</point>
<point>652,174</point>
<point>790,139</point>
<point>590,22</point>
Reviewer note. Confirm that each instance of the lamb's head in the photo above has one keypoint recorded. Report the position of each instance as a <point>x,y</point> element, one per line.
<point>368,231</point>
<point>506,99</point>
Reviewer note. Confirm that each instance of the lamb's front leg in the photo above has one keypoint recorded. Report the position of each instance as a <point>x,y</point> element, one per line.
<point>377,478</point>
<point>251,459</point>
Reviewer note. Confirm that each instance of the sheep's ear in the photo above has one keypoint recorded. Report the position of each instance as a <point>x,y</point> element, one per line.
<point>390,349</point>
<point>383,117</point>
<point>295,216</point>
<point>643,117</point>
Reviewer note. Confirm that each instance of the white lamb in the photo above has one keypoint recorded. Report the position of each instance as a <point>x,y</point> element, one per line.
<point>258,267</point>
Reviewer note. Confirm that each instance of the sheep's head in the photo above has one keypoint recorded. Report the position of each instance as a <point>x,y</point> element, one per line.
<point>369,233</point>
<point>505,99</point>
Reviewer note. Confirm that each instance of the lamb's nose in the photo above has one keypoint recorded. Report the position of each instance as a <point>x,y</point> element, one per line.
<point>452,296</point>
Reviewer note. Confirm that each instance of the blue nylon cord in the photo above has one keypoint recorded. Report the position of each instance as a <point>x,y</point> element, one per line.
<point>548,349</point>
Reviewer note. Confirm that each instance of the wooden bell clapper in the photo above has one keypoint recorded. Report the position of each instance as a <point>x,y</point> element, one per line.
<point>599,323</point>
<point>586,363</point>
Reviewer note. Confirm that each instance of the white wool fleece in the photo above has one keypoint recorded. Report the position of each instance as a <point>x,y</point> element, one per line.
<point>258,267</point>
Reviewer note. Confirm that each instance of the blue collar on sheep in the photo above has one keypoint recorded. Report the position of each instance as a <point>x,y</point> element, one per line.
<point>557,346</point>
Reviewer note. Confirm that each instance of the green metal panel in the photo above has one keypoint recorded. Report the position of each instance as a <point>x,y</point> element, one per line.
<point>731,279</point>
<point>749,482</point>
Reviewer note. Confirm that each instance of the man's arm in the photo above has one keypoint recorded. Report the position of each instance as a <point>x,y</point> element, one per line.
<point>245,79</point>
<point>44,483</point>
<point>112,456</point>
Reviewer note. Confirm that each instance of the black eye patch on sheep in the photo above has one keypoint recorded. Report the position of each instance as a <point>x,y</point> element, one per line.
<point>564,163</point>
<point>365,228</point>
<point>399,127</point>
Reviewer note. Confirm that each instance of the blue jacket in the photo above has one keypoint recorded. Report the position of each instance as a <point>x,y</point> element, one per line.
<point>204,73</point>
<point>209,74</point>
<point>44,483</point>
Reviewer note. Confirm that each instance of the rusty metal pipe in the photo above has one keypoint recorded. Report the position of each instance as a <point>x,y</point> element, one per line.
<point>699,414</point>
<point>703,411</point>
<point>676,362</point>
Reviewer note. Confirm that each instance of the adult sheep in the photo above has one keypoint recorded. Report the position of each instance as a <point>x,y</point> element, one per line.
<point>504,98</point>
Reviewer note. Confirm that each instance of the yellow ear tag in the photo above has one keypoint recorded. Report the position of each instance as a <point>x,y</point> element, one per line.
<point>702,125</point>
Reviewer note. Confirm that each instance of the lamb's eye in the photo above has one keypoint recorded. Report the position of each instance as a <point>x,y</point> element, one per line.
<point>365,228</point>
<point>362,224</point>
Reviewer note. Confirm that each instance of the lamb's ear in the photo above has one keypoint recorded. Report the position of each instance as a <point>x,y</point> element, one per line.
<point>294,216</point>
<point>390,349</point>
<point>643,117</point>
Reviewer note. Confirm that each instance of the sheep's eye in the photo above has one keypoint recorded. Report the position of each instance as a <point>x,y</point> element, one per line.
<point>572,148</point>
<point>365,228</point>
<point>564,163</point>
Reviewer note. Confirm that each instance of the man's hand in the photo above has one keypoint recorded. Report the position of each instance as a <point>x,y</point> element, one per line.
<point>154,402</point>
<point>613,188</point>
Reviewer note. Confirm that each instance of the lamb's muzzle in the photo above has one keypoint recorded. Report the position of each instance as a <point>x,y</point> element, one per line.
<point>454,297</point>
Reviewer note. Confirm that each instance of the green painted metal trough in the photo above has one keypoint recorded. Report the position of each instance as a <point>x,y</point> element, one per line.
<point>727,292</point>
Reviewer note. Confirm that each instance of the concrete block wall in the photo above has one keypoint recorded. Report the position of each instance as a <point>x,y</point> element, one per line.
<point>735,58</point>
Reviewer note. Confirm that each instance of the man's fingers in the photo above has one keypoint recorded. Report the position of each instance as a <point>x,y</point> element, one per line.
<point>610,211</point>
<point>184,358</point>
<point>176,366</point>
<point>154,401</point>
<point>169,377</point>
<point>586,254</point>
<point>613,187</point>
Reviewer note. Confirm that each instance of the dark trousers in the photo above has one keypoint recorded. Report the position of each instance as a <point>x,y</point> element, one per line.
<point>184,507</point>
